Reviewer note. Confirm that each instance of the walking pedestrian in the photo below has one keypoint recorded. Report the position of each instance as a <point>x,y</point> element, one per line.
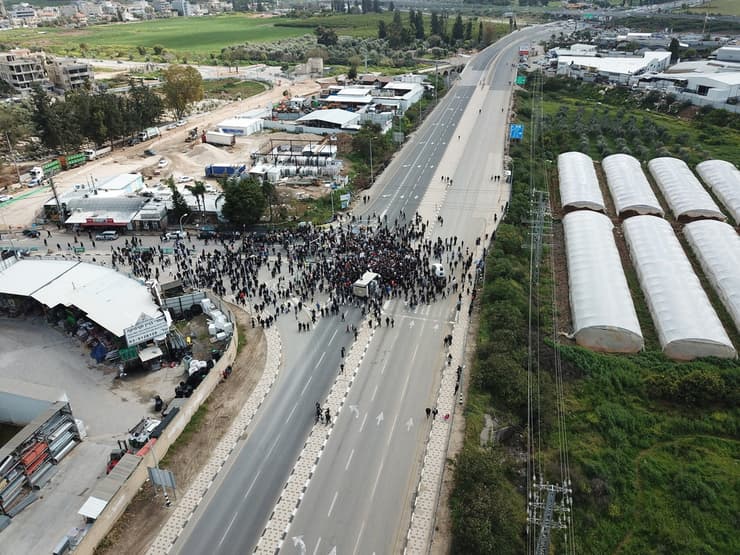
<point>434,413</point>
<point>428,411</point>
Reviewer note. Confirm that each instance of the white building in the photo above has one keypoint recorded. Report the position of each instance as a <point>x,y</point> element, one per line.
<point>617,69</point>
<point>728,54</point>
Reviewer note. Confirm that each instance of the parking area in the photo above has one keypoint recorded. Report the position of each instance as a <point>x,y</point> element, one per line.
<point>37,353</point>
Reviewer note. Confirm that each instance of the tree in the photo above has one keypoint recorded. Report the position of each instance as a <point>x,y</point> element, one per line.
<point>143,108</point>
<point>376,6</point>
<point>198,190</point>
<point>183,85</point>
<point>326,36</point>
<point>179,206</point>
<point>458,29</point>
<point>419,25</point>
<point>382,30</point>
<point>673,48</point>
<point>244,202</point>
<point>396,31</point>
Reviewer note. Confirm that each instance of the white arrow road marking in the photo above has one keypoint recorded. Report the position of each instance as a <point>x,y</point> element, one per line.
<point>436,327</point>
<point>411,324</point>
<point>409,424</point>
<point>379,418</point>
<point>355,410</point>
<point>298,542</point>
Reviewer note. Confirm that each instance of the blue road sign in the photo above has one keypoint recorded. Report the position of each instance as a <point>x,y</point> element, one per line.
<point>516,131</point>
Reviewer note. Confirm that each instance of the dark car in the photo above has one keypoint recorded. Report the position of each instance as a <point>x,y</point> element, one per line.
<point>150,152</point>
<point>32,233</point>
<point>229,234</point>
<point>206,234</point>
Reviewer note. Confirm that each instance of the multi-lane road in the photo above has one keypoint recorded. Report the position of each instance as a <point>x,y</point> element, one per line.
<point>360,496</point>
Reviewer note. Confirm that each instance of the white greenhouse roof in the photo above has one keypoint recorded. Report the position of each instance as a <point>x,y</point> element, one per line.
<point>333,115</point>
<point>579,186</point>
<point>682,190</point>
<point>108,297</point>
<point>717,247</point>
<point>723,179</point>
<point>629,187</point>
<point>604,318</point>
<point>687,325</point>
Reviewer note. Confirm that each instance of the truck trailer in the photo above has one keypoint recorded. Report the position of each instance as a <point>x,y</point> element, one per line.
<point>224,170</point>
<point>93,154</point>
<point>218,138</point>
<point>149,133</point>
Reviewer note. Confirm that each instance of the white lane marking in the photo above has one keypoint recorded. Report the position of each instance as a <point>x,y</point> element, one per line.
<point>349,459</point>
<point>374,392</point>
<point>333,336</point>
<point>382,368</point>
<point>334,500</point>
<point>254,480</point>
<point>228,528</point>
<point>363,422</point>
<point>316,549</point>
<point>291,413</point>
<point>359,536</point>
<point>274,443</point>
<point>305,386</point>
<point>319,362</point>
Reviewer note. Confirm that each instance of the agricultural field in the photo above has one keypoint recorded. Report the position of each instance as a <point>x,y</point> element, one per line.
<point>722,7</point>
<point>231,88</point>
<point>653,443</point>
<point>192,38</point>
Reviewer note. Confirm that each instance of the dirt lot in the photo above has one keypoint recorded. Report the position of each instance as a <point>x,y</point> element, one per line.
<point>139,525</point>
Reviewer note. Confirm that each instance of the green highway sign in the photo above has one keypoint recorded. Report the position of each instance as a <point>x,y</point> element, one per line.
<point>521,80</point>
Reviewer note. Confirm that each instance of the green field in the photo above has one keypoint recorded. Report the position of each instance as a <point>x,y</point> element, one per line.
<point>723,7</point>
<point>231,88</point>
<point>194,38</point>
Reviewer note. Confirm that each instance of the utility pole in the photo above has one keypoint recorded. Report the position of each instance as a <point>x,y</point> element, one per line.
<point>56,198</point>
<point>371,160</point>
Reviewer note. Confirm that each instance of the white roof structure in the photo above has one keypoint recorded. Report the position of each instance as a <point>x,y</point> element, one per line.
<point>682,191</point>
<point>604,318</point>
<point>629,187</point>
<point>579,186</point>
<point>108,297</point>
<point>687,325</point>
<point>717,247</point>
<point>333,116</point>
<point>723,179</point>
<point>622,65</point>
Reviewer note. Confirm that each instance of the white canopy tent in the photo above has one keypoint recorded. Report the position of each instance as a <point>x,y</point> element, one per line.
<point>723,179</point>
<point>687,325</point>
<point>629,187</point>
<point>604,318</point>
<point>682,190</point>
<point>579,186</point>
<point>717,247</point>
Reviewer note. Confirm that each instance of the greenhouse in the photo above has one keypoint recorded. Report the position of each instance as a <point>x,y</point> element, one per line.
<point>629,187</point>
<point>682,191</point>
<point>723,179</point>
<point>717,247</point>
<point>604,318</point>
<point>579,186</point>
<point>687,325</point>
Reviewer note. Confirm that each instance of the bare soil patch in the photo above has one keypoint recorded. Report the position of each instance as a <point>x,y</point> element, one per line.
<point>146,514</point>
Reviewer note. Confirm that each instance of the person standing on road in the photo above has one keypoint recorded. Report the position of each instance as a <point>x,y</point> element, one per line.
<point>327,416</point>
<point>429,411</point>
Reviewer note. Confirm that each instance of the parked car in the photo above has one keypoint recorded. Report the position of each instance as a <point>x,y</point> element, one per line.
<point>184,179</point>
<point>180,122</point>
<point>150,152</point>
<point>162,163</point>
<point>170,235</point>
<point>6,198</point>
<point>107,236</point>
<point>207,234</point>
<point>33,233</point>
<point>171,126</point>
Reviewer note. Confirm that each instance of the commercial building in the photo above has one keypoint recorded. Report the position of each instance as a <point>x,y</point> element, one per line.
<point>335,119</point>
<point>613,69</point>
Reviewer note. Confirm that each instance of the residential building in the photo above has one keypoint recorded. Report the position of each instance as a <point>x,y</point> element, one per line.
<point>69,74</point>
<point>20,69</point>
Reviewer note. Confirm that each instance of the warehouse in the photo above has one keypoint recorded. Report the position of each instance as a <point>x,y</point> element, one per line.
<point>331,119</point>
<point>241,126</point>
<point>604,318</point>
<point>717,247</point>
<point>687,325</point>
<point>723,179</point>
<point>682,191</point>
<point>629,187</point>
<point>579,186</point>
<point>108,298</point>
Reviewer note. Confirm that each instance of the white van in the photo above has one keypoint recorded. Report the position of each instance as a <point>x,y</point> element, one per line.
<point>366,286</point>
<point>107,236</point>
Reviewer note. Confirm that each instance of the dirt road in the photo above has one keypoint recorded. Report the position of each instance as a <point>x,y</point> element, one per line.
<point>184,158</point>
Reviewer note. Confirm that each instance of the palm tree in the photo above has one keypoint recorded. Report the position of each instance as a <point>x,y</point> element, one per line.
<point>198,190</point>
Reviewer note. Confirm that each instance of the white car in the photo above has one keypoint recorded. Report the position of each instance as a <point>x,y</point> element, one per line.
<point>170,235</point>
<point>171,126</point>
<point>6,198</point>
<point>180,122</point>
<point>184,179</point>
<point>438,270</point>
<point>162,163</point>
